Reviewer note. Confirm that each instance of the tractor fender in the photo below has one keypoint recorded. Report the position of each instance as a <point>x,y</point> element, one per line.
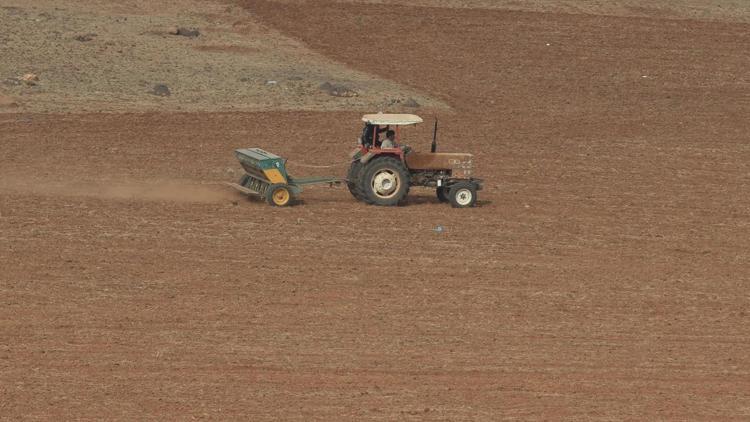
<point>370,155</point>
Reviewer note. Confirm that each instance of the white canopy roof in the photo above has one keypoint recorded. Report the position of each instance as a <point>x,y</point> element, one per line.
<point>391,119</point>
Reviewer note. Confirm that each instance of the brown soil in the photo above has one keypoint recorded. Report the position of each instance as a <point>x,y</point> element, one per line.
<point>708,10</point>
<point>8,102</point>
<point>226,49</point>
<point>603,276</point>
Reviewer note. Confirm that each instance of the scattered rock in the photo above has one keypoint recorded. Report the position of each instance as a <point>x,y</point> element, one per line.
<point>30,79</point>
<point>338,90</point>
<point>161,90</point>
<point>12,82</point>
<point>185,32</point>
<point>12,10</point>
<point>411,102</point>
<point>85,37</point>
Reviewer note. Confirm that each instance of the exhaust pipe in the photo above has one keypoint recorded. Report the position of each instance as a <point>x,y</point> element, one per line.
<point>433,149</point>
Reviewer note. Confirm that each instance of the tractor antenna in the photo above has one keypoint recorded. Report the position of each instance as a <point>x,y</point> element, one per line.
<point>434,138</point>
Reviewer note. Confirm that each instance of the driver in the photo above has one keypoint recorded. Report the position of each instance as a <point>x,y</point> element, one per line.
<point>389,141</point>
<point>367,134</point>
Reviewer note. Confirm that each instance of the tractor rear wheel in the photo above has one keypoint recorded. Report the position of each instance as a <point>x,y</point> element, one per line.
<point>384,181</point>
<point>278,195</point>
<point>463,195</point>
<point>353,180</point>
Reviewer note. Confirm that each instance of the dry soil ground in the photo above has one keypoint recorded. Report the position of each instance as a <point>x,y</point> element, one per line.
<point>604,275</point>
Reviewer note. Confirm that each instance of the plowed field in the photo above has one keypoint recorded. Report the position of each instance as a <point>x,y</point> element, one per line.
<point>604,274</point>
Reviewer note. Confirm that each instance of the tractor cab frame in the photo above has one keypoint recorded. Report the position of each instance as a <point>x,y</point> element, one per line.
<point>370,141</point>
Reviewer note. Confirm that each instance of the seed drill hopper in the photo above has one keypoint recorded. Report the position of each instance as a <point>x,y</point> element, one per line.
<point>266,177</point>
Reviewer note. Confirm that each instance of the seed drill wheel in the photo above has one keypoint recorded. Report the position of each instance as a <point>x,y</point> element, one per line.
<point>463,195</point>
<point>278,195</point>
<point>385,181</point>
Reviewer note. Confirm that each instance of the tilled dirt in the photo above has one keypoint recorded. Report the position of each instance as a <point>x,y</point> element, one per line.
<point>603,275</point>
<point>709,10</point>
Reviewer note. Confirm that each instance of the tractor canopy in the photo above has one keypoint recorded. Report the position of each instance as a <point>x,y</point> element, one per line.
<point>391,119</point>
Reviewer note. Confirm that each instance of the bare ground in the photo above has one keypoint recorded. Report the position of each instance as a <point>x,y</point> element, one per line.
<point>705,10</point>
<point>603,276</point>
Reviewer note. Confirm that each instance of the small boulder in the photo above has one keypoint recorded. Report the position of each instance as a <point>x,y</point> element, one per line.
<point>30,79</point>
<point>187,32</point>
<point>161,90</point>
<point>338,90</point>
<point>411,102</point>
<point>11,82</point>
<point>85,37</point>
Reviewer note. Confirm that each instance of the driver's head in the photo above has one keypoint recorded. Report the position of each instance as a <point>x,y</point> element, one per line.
<point>390,134</point>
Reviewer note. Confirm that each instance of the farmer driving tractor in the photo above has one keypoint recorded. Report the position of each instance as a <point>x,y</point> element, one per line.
<point>371,134</point>
<point>389,141</point>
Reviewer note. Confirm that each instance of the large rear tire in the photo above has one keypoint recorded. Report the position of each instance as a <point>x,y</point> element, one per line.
<point>353,180</point>
<point>384,181</point>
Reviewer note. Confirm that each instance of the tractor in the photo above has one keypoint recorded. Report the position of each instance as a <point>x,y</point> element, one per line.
<point>381,172</point>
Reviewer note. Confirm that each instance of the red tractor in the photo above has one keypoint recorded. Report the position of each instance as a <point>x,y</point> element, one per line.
<point>382,171</point>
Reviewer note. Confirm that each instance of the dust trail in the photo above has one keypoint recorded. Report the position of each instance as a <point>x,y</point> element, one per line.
<point>148,190</point>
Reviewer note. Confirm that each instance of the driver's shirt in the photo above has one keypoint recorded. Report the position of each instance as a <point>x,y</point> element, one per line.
<point>387,143</point>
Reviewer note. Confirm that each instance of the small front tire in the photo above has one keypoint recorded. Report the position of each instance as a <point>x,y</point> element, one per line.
<point>442,194</point>
<point>463,195</point>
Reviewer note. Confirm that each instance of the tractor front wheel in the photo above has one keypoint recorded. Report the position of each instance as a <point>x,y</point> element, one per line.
<point>442,194</point>
<point>463,195</point>
<point>278,195</point>
<point>385,181</point>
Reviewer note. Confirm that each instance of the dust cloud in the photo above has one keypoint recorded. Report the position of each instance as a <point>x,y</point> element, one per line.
<point>152,190</point>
